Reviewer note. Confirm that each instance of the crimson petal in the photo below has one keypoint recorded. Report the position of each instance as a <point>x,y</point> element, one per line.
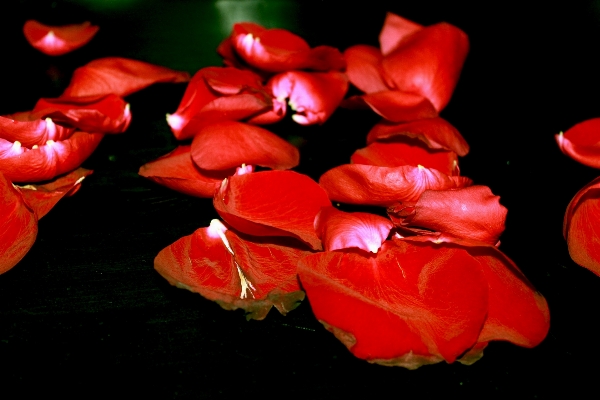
<point>229,144</point>
<point>383,186</point>
<point>272,203</point>
<point>364,68</point>
<point>582,142</point>
<point>18,226</point>
<point>395,30</point>
<point>120,76</point>
<point>58,40</point>
<point>396,106</point>
<point>29,131</point>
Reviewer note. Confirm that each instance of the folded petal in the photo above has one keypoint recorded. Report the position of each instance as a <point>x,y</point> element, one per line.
<point>395,105</point>
<point>383,186</point>
<point>42,198</point>
<point>234,272</point>
<point>97,114</point>
<point>364,68</point>
<point>428,63</point>
<point>406,153</point>
<point>581,227</point>
<point>229,144</point>
<point>272,203</point>
<point>120,76</point>
<point>18,226</point>
<point>395,30</point>
<point>582,142</point>
<point>341,230</point>
<point>436,133</point>
<point>314,96</point>
<point>24,128</point>
<point>40,163</point>
<point>58,40</point>
<point>409,305</point>
<point>176,170</point>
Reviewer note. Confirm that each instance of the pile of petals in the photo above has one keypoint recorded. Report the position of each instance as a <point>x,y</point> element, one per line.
<point>41,149</point>
<point>420,283</point>
<point>581,225</point>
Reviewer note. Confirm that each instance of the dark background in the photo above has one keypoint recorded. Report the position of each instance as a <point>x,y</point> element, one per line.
<point>85,313</point>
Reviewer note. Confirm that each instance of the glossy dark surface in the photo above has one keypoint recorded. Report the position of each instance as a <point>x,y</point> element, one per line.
<point>84,312</point>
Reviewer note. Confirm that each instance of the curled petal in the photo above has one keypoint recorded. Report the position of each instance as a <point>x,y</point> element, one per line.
<point>409,305</point>
<point>18,226</point>
<point>341,230</point>
<point>383,186</point>
<point>581,227</point>
<point>177,171</point>
<point>364,68</point>
<point>395,30</point>
<point>582,142</point>
<point>406,153</point>
<point>229,144</point>
<point>120,76</point>
<point>234,272</point>
<point>42,198</point>
<point>395,106</point>
<point>30,131</point>
<point>58,40</point>
<point>436,133</point>
<point>314,96</point>
<point>272,203</point>
<point>21,164</point>
<point>98,114</point>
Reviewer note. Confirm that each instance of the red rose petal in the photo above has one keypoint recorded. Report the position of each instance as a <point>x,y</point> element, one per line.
<point>364,68</point>
<point>397,106</point>
<point>30,131</point>
<point>383,186</point>
<point>582,142</point>
<point>229,144</point>
<point>177,171</point>
<point>436,133</point>
<point>395,30</point>
<point>58,40</point>
<point>119,76</point>
<point>42,198</point>
<point>18,226</point>
<point>272,203</point>
<point>340,230</point>
<point>581,227</point>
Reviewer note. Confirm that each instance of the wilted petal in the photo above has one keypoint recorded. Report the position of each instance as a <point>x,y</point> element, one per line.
<point>120,76</point>
<point>177,171</point>
<point>364,68</point>
<point>30,131</point>
<point>582,142</point>
<point>18,226</point>
<point>40,163</point>
<point>229,144</point>
<point>42,198</point>
<point>409,305</point>
<point>436,133</point>
<point>313,96</point>
<point>58,40</point>
<point>396,106</point>
<point>383,186</point>
<point>97,114</point>
<point>234,272</point>
<point>395,30</point>
<point>272,203</point>
<point>341,230</point>
<point>581,227</point>
<point>406,153</point>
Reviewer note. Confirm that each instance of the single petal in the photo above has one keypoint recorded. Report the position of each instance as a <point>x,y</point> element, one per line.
<point>582,142</point>
<point>397,106</point>
<point>58,40</point>
<point>395,30</point>
<point>406,153</point>
<point>40,163</point>
<point>272,203</point>
<point>229,144</point>
<point>120,76</point>
<point>364,68</point>
<point>409,305</point>
<point>42,198</point>
<point>30,131</point>
<point>177,171</point>
<point>436,133</point>
<point>313,96</point>
<point>97,114</point>
<point>234,272</point>
<point>18,226</point>
<point>428,63</point>
<point>581,227</point>
<point>383,186</point>
<point>340,230</point>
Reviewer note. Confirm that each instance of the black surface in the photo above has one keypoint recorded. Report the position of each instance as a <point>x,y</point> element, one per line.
<point>85,313</point>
